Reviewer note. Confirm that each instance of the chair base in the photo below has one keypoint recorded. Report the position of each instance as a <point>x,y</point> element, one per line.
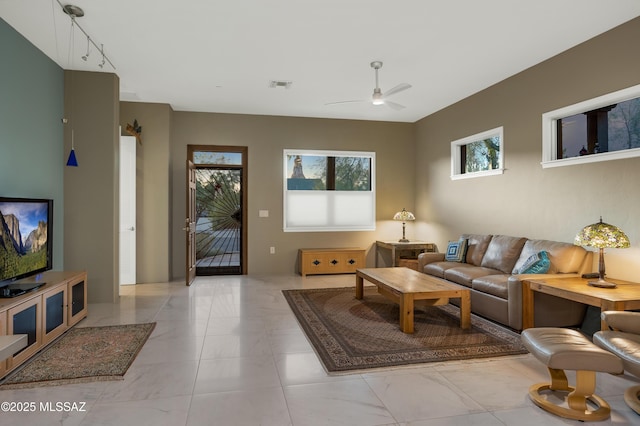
<point>632,398</point>
<point>602,411</point>
<point>577,397</point>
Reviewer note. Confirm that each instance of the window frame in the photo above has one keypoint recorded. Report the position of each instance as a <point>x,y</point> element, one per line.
<point>550,131</point>
<point>456,154</point>
<point>333,196</point>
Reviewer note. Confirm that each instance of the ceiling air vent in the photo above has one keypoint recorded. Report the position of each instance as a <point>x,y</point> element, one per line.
<point>274,84</point>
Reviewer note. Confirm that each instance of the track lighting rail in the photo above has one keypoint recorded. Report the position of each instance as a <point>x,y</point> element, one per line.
<point>76,12</point>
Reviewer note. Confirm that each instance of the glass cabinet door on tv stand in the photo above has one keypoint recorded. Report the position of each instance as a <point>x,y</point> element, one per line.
<point>26,318</point>
<point>77,289</point>
<point>54,308</point>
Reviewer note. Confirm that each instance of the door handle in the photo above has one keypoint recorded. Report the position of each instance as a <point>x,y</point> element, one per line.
<point>132,229</point>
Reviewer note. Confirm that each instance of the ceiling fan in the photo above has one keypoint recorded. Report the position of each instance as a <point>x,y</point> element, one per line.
<point>379,98</point>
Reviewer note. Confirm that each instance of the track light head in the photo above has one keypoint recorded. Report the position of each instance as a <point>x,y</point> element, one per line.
<point>86,55</point>
<point>101,64</point>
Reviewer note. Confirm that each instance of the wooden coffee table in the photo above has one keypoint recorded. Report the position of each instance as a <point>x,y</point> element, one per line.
<point>404,286</point>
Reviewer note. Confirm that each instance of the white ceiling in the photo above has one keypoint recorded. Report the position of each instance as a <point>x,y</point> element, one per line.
<point>219,56</point>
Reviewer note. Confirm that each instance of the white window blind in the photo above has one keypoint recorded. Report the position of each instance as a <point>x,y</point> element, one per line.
<point>314,206</point>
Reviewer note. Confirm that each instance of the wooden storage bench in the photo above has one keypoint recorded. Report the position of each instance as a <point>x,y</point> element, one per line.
<point>331,260</point>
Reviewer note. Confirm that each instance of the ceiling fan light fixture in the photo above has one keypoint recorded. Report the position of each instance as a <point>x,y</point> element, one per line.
<point>377,98</point>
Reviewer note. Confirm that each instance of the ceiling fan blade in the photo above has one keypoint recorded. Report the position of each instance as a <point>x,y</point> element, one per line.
<point>348,102</point>
<point>394,105</point>
<point>399,88</point>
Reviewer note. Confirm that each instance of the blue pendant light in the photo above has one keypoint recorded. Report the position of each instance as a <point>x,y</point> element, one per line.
<point>72,161</point>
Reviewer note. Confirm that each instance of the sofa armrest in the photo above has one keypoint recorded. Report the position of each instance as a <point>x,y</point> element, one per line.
<point>426,258</point>
<point>514,291</point>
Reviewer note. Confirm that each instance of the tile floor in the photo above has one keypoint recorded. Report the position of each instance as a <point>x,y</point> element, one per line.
<point>228,351</point>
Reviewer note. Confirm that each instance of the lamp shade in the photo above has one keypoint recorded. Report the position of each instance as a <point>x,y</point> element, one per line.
<point>72,161</point>
<point>602,235</point>
<point>404,216</point>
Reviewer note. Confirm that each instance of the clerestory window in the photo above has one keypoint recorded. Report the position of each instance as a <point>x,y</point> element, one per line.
<point>478,155</point>
<point>599,129</point>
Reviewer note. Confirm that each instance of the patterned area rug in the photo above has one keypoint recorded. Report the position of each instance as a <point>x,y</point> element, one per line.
<point>81,355</point>
<point>350,334</point>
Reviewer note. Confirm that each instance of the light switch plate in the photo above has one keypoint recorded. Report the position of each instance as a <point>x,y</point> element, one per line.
<point>263,213</point>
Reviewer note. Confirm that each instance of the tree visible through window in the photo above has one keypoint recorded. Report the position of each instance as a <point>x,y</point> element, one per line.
<point>477,155</point>
<point>329,190</point>
<point>600,129</point>
<point>327,173</point>
<point>481,155</point>
<point>610,128</point>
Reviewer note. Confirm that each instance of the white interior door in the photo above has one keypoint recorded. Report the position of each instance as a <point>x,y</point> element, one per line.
<point>127,210</point>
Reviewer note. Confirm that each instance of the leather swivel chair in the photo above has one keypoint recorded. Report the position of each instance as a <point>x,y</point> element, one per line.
<point>623,340</point>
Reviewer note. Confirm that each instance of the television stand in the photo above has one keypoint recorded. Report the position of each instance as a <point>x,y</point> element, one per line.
<point>44,313</point>
<point>14,290</point>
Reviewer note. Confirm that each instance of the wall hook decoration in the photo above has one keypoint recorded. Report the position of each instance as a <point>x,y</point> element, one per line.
<point>135,130</point>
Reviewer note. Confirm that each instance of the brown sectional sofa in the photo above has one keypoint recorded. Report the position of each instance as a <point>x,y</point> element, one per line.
<point>490,270</point>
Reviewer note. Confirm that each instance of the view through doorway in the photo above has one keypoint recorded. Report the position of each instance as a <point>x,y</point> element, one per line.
<point>220,201</point>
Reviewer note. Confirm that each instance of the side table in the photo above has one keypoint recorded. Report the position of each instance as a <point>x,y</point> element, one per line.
<point>395,249</point>
<point>626,296</point>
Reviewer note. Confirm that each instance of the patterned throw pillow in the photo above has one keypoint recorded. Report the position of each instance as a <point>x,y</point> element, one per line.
<point>456,251</point>
<point>537,263</point>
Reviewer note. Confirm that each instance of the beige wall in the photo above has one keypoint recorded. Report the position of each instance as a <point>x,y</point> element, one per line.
<point>90,190</point>
<point>152,189</point>
<point>266,137</point>
<point>413,165</point>
<point>527,200</point>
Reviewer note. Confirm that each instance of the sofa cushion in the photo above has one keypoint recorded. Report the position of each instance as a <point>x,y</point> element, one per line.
<point>495,285</point>
<point>537,263</point>
<point>437,268</point>
<point>565,258</point>
<point>503,252</point>
<point>465,274</point>
<point>476,247</point>
<point>456,251</point>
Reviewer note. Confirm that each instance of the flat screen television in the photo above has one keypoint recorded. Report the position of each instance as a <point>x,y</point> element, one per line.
<point>26,249</point>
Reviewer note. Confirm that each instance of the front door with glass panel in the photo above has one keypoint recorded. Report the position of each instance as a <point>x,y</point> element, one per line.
<point>219,206</point>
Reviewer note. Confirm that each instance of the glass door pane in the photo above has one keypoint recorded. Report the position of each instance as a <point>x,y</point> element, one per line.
<point>218,221</point>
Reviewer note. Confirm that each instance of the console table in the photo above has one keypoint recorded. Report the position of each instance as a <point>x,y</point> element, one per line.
<point>42,315</point>
<point>397,249</point>
<point>625,296</point>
